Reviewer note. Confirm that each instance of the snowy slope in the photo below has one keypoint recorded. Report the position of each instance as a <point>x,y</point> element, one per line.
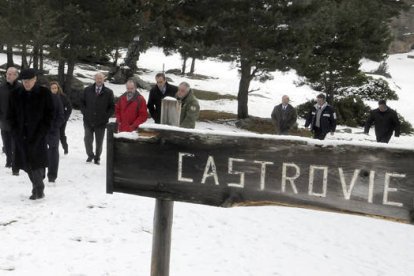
<point>79,230</point>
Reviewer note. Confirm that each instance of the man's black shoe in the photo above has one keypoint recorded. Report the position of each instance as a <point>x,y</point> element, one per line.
<point>16,173</point>
<point>66,152</point>
<point>97,162</point>
<point>52,180</point>
<point>89,160</point>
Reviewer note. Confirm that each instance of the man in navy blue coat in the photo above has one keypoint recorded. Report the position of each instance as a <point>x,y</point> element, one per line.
<point>321,119</point>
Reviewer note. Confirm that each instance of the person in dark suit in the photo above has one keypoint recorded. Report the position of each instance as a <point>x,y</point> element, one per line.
<point>284,116</point>
<point>30,115</point>
<point>6,89</point>
<point>386,122</point>
<point>161,90</point>
<point>97,106</point>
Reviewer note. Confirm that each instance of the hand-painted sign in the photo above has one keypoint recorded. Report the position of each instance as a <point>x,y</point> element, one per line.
<point>228,170</point>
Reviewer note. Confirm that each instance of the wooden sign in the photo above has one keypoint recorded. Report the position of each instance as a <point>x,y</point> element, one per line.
<point>234,170</point>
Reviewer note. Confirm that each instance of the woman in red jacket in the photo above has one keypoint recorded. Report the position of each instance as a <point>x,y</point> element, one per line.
<point>131,109</point>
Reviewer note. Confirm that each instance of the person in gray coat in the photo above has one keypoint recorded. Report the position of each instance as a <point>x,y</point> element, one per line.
<point>284,116</point>
<point>6,89</point>
<point>97,106</point>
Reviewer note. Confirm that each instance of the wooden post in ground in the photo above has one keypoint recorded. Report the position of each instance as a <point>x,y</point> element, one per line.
<point>163,214</point>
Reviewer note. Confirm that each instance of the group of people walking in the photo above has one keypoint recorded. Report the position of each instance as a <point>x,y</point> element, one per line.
<point>321,119</point>
<point>33,119</point>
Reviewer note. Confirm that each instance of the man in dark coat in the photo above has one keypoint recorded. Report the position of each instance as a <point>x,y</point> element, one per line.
<point>157,93</point>
<point>30,115</point>
<point>321,119</point>
<point>6,89</point>
<point>386,122</point>
<point>97,106</point>
<point>53,137</point>
<point>284,116</point>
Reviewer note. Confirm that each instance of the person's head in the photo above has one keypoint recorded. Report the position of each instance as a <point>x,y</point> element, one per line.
<point>11,75</point>
<point>28,77</point>
<point>285,100</point>
<point>55,88</point>
<point>99,79</point>
<point>321,99</point>
<point>161,80</point>
<point>183,90</point>
<point>382,105</point>
<point>131,86</point>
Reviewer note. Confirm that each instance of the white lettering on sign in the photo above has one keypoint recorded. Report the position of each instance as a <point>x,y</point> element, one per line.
<point>290,176</point>
<point>263,173</point>
<point>180,167</point>
<point>231,171</point>
<point>291,179</point>
<point>371,187</point>
<point>388,189</point>
<point>348,191</point>
<point>210,170</point>
<point>312,170</point>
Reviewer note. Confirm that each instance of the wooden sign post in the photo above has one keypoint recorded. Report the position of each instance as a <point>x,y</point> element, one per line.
<point>164,209</point>
<point>227,170</point>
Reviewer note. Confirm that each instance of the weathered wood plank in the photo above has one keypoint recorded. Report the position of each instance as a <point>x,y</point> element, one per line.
<point>227,170</point>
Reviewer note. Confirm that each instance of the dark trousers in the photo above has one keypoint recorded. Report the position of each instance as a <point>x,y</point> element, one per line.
<point>99,133</point>
<point>36,177</point>
<point>383,139</point>
<point>63,138</point>
<point>9,149</point>
<point>53,161</point>
<point>6,136</point>
<point>319,134</point>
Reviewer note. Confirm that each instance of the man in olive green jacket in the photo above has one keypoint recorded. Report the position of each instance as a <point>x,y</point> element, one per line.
<point>190,109</point>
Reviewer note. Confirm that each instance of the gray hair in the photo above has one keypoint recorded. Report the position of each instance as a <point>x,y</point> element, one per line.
<point>13,69</point>
<point>133,82</point>
<point>186,85</point>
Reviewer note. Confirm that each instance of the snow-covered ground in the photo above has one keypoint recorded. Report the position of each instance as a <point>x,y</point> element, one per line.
<point>79,230</point>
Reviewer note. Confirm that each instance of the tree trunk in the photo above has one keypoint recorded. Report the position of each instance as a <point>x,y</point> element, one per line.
<point>69,76</point>
<point>243,95</point>
<point>24,57</point>
<point>184,68</point>
<point>192,68</point>
<point>10,62</point>
<point>116,58</point>
<point>35,57</point>
<point>41,58</point>
<point>132,55</point>
<point>61,73</point>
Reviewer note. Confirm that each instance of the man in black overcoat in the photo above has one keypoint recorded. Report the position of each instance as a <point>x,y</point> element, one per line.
<point>30,115</point>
